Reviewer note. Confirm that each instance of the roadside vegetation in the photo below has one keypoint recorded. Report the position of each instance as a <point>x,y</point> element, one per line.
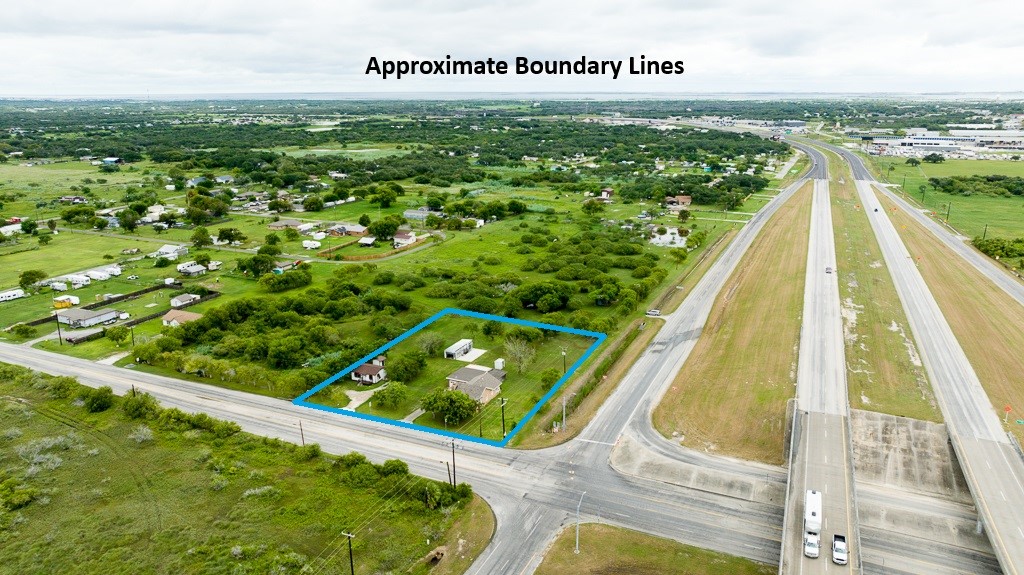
<point>884,371</point>
<point>730,397</point>
<point>200,496</point>
<point>605,550</point>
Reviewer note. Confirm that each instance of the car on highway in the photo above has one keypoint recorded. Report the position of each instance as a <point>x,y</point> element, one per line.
<point>840,552</point>
<point>828,269</point>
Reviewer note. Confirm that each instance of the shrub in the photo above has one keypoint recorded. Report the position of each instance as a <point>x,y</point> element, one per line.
<point>308,452</point>
<point>140,406</point>
<point>97,400</point>
<point>23,331</point>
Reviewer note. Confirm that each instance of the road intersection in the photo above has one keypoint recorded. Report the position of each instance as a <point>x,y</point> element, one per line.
<point>534,493</point>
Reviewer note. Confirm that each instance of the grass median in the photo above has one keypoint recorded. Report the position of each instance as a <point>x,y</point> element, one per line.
<point>607,550</point>
<point>731,395</point>
<point>884,371</point>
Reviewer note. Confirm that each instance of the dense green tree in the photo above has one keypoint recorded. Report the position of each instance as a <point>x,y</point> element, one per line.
<point>391,395</point>
<point>230,235</point>
<point>407,367</point>
<point>451,406</point>
<point>117,334</point>
<point>29,277</point>
<point>313,204</point>
<point>128,220</point>
<point>201,238</point>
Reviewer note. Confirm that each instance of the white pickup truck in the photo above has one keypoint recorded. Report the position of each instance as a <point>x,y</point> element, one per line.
<point>840,553</point>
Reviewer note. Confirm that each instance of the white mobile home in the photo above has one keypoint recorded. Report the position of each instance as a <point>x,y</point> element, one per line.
<point>12,294</point>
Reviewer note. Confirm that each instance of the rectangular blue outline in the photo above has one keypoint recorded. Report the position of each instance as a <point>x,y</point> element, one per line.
<point>598,337</point>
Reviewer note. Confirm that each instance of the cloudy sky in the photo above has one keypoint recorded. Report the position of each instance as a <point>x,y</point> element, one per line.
<point>116,47</point>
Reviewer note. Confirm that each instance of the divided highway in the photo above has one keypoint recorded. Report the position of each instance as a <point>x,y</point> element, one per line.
<point>821,458</point>
<point>993,469</point>
<point>980,261</point>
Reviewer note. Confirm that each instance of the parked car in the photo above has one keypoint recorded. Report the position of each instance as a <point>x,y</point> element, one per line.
<point>653,312</point>
<point>133,277</point>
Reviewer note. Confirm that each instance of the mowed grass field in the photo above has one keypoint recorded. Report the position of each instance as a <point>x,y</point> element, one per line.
<point>1004,216</point>
<point>986,321</point>
<point>607,550</point>
<point>731,395</point>
<point>66,253</point>
<point>884,372</point>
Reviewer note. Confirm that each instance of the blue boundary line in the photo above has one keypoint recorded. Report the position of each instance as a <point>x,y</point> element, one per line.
<point>598,340</point>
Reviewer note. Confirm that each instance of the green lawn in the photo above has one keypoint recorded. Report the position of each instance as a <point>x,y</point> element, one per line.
<point>1003,216</point>
<point>521,390</point>
<point>101,493</point>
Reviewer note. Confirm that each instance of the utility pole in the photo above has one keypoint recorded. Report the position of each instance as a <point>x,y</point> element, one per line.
<point>351,562</point>
<point>563,412</point>
<point>449,468</point>
<point>984,233</point>
<point>563,361</point>
<point>59,337</point>
<point>577,551</point>
<point>453,464</point>
<point>949,207</point>
<point>503,402</point>
<point>132,327</point>
<point>302,435</point>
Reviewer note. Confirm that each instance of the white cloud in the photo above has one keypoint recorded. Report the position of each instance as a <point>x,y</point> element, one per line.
<point>60,47</point>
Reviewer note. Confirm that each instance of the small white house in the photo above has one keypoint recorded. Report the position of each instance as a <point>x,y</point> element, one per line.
<point>214,265</point>
<point>72,299</point>
<point>12,294</point>
<point>113,270</point>
<point>184,299</point>
<point>98,275</point>
<point>403,239</point>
